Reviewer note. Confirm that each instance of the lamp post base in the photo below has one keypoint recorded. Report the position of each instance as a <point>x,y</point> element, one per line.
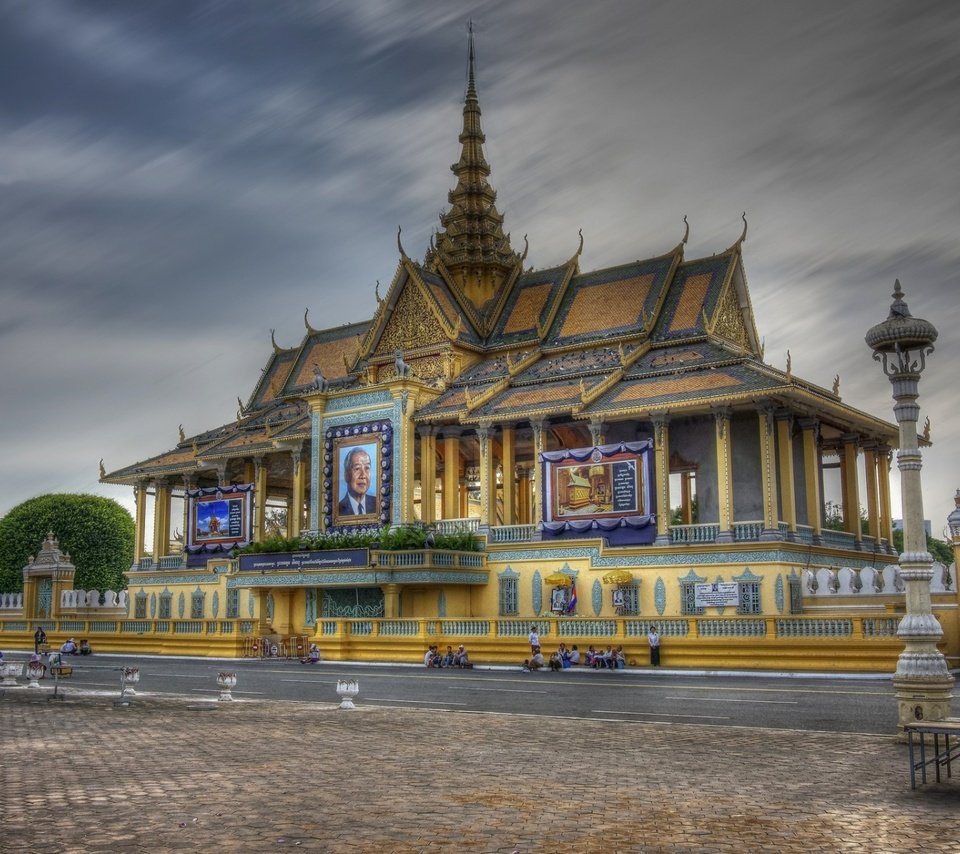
<point>921,699</point>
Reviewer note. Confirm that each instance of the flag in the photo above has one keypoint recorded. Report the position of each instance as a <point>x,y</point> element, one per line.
<point>572,602</point>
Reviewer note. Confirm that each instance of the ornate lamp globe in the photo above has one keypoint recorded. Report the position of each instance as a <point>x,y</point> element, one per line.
<point>908,339</point>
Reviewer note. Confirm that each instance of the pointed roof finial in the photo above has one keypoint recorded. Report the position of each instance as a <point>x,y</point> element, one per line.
<point>686,233</point>
<point>471,68</point>
<point>744,235</point>
<point>399,244</point>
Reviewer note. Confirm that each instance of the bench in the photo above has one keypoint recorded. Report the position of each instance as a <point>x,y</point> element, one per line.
<point>944,754</point>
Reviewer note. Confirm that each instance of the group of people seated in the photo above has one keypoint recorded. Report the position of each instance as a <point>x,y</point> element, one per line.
<point>566,657</point>
<point>434,658</point>
<point>610,658</point>
<point>70,647</point>
<point>563,658</point>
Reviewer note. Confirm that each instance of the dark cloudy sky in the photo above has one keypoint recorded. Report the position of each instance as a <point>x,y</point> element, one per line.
<point>176,179</point>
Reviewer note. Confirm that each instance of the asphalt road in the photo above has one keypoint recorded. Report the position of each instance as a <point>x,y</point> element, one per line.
<point>829,704</point>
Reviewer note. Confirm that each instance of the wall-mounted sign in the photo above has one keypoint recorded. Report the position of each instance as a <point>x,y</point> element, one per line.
<point>601,488</point>
<point>358,470</point>
<point>297,561</point>
<point>219,518</point>
<point>719,594</point>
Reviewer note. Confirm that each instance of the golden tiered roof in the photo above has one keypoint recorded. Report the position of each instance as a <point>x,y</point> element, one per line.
<point>490,343</point>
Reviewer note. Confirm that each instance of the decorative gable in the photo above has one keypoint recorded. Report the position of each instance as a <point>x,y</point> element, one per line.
<point>728,319</point>
<point>412,324</point>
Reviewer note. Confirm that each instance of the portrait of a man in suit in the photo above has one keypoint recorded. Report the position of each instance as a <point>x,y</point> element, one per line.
<point>357,485</point>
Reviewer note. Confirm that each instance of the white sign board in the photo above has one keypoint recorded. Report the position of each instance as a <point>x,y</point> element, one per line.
<point>720,594</point>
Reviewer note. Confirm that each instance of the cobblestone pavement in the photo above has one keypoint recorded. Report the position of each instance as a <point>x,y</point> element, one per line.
<point>166,774</point>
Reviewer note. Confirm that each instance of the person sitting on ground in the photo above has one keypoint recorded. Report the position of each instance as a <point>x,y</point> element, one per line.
<point>564,654</point>
<point>591,656</point>
<point>460,657</point>
<point>619,659</point>
<point>603,659</point>
<point>432,658</point>
<point>313,655</point>
<point>448,657</point>
<point>574,655</point>
<point>556,662</point>
<point>70,648</point>
<point>85,647</point>
<point>537,661</point>
<point>525,667</point>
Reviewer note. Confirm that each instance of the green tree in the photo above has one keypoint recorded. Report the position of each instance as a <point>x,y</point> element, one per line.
<point>940,550</point>
<point>96,531</point>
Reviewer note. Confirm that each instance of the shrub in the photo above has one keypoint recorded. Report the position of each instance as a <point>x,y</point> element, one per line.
<point>97,532</point>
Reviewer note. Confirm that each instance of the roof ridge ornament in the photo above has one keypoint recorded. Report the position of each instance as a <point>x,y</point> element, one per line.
<point>310,329</point>
<point>743,236</point>
<point>103,471</point>
<point>399,244</point>
<point>686,233</point>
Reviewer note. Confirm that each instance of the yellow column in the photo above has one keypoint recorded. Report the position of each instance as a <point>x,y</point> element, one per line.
<point>428,476</point>
<point>295,513</point>
<point>788,488</point>
<point>451,476</point>
<point>873,503</point>
<point>851,485</point>
<point>161,520</point>
<point>523,495</point>
<point>597,431</point>
<point>259,498</point>
<point>188,484</point>
<point>661,458</point>
<point>488,481</point>
<point>140,522</point>
<point>811,475</point>
<point>686,499</point>
<point>509,464</point>
<point>539,446</point>
<point>724,473</point>
<point>768,475</point>
<point>405,442</point>
<point>883,484</point>
<point>391,601</point>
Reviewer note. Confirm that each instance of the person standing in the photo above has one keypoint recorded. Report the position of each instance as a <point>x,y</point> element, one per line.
<point>534,639</point>
<point>654,640</point>
<point>39,637</point>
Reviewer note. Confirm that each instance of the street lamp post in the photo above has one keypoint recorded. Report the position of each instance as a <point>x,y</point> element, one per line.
<point>922,682</point>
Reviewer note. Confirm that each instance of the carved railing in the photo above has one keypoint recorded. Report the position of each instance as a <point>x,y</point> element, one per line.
<point>748,530</point>
<point>705,533</point>
<point>514,534</point>
<point>11,601</point>
<point>456,526</point>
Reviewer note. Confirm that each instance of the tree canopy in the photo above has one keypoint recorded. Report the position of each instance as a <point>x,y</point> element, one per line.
<point>97,532</point>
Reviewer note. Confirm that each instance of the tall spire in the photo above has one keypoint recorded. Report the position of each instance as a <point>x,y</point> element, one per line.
<point>471,244</point>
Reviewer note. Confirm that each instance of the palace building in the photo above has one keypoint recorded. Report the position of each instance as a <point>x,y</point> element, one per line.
<point>614,440</point>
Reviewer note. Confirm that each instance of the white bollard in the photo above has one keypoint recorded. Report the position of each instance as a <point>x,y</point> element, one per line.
<point>226,682</point>
<point>10,672</point>
<point>35,674</point>
<point>347,691</point>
